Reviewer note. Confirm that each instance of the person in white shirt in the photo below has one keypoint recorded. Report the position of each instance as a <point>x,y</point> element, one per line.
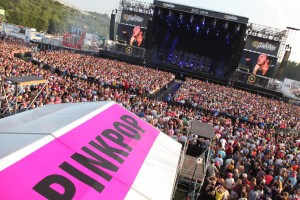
<point>229,182</point>
<point>223,143</point>
<point>219,159</point>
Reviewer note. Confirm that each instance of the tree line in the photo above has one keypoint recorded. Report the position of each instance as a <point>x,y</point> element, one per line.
<point>53,17</point>
<point>292,71</point>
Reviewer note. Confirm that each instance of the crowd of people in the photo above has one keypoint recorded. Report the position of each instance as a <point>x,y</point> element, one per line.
<point>74,77</point>
<point>236,103</point>
<point>249,157</point>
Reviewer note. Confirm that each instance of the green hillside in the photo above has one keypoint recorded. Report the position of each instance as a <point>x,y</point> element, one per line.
<point>52,16</point>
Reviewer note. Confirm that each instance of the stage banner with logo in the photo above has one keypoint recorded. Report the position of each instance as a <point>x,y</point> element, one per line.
<point>291,89</point>
<point>262,45</point>
<point>134,18</point>
<point>200,11</point>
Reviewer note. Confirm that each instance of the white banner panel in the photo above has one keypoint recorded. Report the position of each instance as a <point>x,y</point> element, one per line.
<point>291,89</point>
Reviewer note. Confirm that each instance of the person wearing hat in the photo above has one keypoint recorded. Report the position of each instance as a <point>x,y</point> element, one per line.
<point>219,159</point>
<point>229,182</point>
<point>245,179</point>
<point>293,179</point>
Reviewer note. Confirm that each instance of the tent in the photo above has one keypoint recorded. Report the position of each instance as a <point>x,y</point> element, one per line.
<point>95,150</point>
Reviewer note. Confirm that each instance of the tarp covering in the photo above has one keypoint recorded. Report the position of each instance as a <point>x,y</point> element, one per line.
<point>95,150</point>
<point>202,129</point>
<point>26,80</point>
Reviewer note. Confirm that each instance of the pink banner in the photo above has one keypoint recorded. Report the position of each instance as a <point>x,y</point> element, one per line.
<point>99,159</point>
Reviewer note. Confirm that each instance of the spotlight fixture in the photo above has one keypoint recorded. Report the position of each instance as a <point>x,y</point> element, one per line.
<point>192,19</point>
<point>225,26</point>
<point>214,24</point>
<point>181,15</point>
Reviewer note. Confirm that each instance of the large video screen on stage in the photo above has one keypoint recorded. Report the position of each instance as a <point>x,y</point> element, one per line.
<point>262,45</point>
<point>134,18</point>
<point>132,35</point>
<point>258,63</point>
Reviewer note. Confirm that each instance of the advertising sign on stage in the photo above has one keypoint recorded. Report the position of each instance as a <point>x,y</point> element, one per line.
<point>291,89</point>
<point>262,45</point>
<point>200,11</point>
<point>91,42</point>
<point>134,18</point>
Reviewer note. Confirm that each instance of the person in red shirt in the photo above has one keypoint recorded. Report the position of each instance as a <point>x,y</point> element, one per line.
<point>229,150</point>
<point>269,178</point>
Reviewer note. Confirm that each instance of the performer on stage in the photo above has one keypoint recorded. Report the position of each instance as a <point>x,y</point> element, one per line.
<point>135,33</point>
<point>137,37</point>
<point>262,65</point>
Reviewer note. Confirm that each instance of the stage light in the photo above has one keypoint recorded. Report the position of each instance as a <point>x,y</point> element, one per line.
<point>227,39</point>
<point>225,26</point>
<point>207,31</point>
<point>237,28</point>
<point>159,12</point>
<point>192,19</point>
<point>181,16</point>
<point>214,24</point>
<point>203,21</point>
<point>197,29</point>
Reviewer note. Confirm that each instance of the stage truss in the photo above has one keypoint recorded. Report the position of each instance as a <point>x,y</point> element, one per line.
<point>11,106</point>
<point>270,33</point>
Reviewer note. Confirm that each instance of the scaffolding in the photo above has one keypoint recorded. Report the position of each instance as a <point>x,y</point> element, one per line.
<point>270,33</point>
<point>134,6</point>
<point>9,104</point>
<point>192,170</point>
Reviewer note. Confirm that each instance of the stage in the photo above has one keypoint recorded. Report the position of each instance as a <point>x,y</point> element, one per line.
<point>191,42</point>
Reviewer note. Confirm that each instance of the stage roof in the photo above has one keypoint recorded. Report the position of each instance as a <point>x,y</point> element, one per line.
<point>95,150</point>
<point>201,11</point>
<point>26,80</point>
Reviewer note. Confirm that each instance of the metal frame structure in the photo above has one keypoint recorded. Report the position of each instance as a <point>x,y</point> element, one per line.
<point>269,33</point>
<point>13,105</point>
<point>135,6</point>
<point>191,176</point>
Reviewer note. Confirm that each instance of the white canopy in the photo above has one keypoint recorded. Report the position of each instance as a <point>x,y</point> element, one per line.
<point>95,150</point>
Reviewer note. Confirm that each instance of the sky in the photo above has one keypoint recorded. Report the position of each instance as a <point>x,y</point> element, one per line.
<point>273,13</point>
